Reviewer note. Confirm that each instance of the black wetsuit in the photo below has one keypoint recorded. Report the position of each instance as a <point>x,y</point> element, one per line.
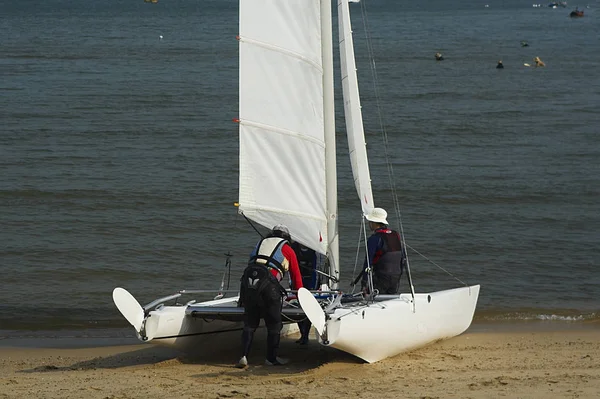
<point>262,297</point>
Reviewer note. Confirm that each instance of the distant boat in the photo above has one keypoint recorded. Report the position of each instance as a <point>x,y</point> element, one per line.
<point>556,4</point>
<point>576,13</point>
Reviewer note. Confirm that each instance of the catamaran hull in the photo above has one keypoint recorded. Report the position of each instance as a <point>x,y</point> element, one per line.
<point>190,327</point>
<point>170,326</point>
<point>387,328</point>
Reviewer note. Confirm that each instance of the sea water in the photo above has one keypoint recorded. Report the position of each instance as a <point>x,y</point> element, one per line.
<point>118,154</point>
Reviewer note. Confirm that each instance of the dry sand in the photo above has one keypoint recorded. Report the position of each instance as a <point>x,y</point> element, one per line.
<point>531,364</point>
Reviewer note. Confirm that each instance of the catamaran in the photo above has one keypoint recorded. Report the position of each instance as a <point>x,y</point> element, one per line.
<point>287,128</point>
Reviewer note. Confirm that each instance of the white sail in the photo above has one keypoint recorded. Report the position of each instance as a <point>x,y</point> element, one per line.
<point>282,149</point>
<point>352,109</point>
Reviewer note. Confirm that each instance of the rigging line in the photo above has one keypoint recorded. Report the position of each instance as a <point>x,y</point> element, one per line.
<point>322,267</point>
<point>367,305</point>
<point>440,267</point>
<point>316,270</point>
<point>369,269</point>
<point>384,135</point>
<point>378,101</point>
<point>356,259</point>
<point>283,316</point>
<point>386,146</point>
<point>252,225</point>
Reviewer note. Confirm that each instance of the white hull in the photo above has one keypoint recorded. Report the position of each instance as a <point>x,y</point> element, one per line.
<point>170,326</point>
<point>387,328</point>
<point>372,331</point>
<point>173,327</point>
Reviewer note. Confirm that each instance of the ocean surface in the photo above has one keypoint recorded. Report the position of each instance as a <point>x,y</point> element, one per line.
<point>119,157</point>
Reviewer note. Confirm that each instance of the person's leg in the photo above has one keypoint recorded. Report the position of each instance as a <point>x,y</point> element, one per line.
<point>272,314</point>
<point>304,327</point>
<point>396,284</point>
<point>386,284</point>
<point>251,321</point>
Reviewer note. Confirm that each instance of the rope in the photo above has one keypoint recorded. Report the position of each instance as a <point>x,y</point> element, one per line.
<point>384,135</point>
<point>360,236</point>
<point>369,269</point>
<point>252,225</point>
<point>440,267</point>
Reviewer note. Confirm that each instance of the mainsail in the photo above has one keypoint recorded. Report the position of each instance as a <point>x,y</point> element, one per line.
<point>282,144</point>
<point>352,110</point>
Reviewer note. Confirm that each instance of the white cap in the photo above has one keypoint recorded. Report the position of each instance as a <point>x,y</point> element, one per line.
<point>377,215</point>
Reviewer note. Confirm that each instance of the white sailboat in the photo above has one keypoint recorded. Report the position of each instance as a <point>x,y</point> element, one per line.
<point>288,176</point>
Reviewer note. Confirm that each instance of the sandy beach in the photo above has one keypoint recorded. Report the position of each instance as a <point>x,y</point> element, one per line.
<point>513,364</point>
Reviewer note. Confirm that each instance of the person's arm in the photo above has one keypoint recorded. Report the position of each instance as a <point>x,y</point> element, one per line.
<point>373,245</point>
<point>294,269</point>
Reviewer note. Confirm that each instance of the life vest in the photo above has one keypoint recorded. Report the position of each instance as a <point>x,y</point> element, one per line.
<point>268,252</point>
<point>390,259</point>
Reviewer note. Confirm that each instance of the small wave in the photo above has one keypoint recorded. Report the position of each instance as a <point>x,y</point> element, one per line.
<point>554,317</point>
<point>526,316</point>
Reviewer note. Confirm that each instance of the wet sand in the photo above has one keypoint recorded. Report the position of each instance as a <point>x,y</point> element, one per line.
<point>488,364</point>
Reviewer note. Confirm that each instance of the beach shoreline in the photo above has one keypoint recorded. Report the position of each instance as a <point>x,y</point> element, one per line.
<point>532,363</point>
<point>125,336</point>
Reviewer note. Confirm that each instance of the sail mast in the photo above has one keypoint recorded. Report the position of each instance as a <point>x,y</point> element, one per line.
<point>330,149</point>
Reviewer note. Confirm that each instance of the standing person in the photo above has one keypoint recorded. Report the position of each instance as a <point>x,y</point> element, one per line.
<point>308,262</point>
<point>261,294</point>
<point>386,256</point>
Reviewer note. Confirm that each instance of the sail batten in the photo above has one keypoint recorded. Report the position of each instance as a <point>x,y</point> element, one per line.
<point>283,51</point>
<point>274,129</point>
